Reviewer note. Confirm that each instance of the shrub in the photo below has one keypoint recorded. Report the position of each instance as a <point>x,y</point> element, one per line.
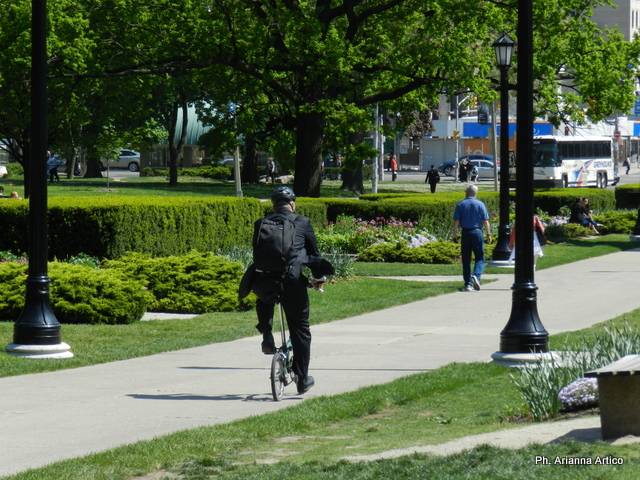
<point>628,196</point>
<point>558,232</point>
<point>14,170</point>
<point>79,294</point>
<point>192,283</point>
<point>617,221</point>
<point>214,173</point>
<point>332,173</point>
<point>433,252</point>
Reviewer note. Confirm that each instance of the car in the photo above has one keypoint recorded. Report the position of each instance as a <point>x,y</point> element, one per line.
<point>484,163</point>
<point>129,159</point>
<point>485,169</point>
<point>229,161</point>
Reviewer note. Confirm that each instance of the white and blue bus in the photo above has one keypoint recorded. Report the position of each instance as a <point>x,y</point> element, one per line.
<point>573,162</point>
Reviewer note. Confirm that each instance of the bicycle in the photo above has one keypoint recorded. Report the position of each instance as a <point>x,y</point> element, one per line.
<point>282,362</point>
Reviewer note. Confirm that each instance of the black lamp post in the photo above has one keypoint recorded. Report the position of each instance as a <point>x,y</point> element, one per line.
<point>524,332</point>
<point>504,51</point>
<point>37,332</point>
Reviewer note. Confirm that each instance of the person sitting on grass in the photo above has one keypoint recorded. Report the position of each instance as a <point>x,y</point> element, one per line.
<point>581,215</point>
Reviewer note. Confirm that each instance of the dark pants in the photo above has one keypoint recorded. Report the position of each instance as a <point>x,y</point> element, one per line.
<point>394,175</point>
<point>295,302</point>
<point>433,187</point>
<point>53,173</point>
<point>472,242</point>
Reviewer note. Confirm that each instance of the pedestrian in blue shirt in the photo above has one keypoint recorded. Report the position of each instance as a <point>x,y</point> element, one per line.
<point>471,216</point>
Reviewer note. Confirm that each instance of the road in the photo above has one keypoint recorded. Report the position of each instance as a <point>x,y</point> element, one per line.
<point>414,176</point>
<point>404,176</point>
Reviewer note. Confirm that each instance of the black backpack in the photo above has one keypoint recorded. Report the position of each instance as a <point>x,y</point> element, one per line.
<point>273,238</point>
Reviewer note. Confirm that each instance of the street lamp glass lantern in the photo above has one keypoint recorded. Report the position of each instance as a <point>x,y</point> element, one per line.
<point>504,50</point>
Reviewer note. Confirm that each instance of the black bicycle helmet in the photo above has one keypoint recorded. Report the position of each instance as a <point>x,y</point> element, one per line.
<point>282,196</point>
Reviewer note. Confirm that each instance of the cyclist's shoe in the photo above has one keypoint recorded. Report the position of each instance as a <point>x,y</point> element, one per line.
<point>268,344</point>
<point>304,384</point>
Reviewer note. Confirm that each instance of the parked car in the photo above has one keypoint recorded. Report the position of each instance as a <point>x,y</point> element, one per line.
<point>484,164</point>
<point>228,161</point>
<point>127,159</point>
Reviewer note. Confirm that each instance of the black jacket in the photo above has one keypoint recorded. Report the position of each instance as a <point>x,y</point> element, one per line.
<point>306,246</point>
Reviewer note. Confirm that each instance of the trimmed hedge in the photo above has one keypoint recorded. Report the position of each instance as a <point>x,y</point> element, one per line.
<point>627,196</point>
<point>107,227</point>
<point>207,171</point>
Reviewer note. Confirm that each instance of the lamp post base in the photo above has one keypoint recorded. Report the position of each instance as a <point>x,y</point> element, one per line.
<point>524,332</point>
<point>502,250</point>
<point>61,350</point>
<point>521,359</point>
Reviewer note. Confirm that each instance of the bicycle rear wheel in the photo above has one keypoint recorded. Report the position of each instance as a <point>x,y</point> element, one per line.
<point>278,376</point>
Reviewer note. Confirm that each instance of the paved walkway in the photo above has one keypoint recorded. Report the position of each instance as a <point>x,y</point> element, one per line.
<point>53,416</point>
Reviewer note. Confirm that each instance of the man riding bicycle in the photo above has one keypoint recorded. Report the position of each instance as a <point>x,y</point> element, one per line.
<point>287,286</point>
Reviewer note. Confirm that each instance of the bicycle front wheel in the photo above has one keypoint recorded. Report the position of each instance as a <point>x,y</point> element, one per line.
<point>278,376</point>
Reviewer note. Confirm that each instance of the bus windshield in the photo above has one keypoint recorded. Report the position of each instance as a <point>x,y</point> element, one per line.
<point>545,154</point>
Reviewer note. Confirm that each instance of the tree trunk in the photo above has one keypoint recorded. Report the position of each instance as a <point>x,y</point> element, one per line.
<point>352,172</point>
<point>309,142</point>
<point>93,164</point>
<point>352,180</point>
<point>249,172</point>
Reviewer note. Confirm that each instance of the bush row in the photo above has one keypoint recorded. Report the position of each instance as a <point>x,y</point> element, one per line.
<point>107,227</point>
<point>122,291</point>
<point>434,252</point>
<point>628,196</point>
<point>208,171</point>
<point>78,294</point>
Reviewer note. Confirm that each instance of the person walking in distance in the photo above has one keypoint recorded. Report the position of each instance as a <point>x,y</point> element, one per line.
<point>284,243</point>
<point>472,217</point>
<point>393,166</point>
<point>272,171</point>
<point>52,167</point>
<point>433,177</point>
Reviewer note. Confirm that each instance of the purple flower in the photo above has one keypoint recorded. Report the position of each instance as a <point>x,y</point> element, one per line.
<point>582,393</point>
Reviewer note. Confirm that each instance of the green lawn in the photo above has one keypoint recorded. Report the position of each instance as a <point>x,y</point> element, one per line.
<point>202,187</point>
<point>310,440</point>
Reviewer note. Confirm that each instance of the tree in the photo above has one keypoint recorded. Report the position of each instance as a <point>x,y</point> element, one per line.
<point>321,64</point>
<point>83,111</point>
<point>320,59</point>
<point>328,58</point>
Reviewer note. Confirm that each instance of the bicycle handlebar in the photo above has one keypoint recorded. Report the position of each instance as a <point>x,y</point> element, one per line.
<point>317,284</point>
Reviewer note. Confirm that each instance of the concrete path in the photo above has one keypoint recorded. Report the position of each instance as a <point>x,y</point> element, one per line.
<point>54,416</point>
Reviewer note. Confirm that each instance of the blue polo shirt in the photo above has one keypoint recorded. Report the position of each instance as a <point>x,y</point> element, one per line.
<point>470,212</point>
